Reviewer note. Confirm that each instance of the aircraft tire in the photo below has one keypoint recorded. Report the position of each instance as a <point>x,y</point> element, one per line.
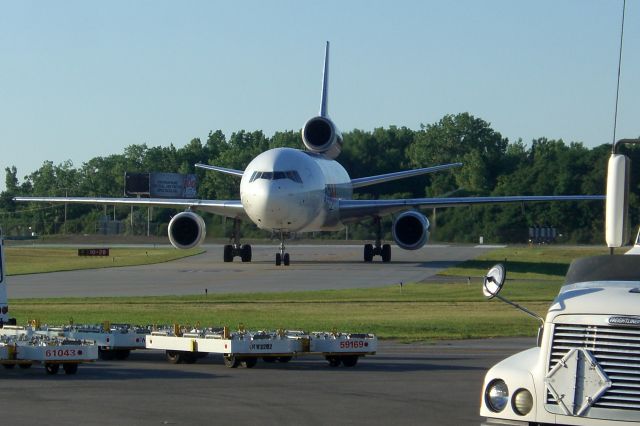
<point>245,253</point>
<point>228,253</point>
<point>368,252</point>
<point>278,259</point>
<point>285,259</point>
<point>386,253</point>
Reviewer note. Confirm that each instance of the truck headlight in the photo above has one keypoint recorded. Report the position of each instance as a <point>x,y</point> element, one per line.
<point>522,402</point>
<point>496,396</point>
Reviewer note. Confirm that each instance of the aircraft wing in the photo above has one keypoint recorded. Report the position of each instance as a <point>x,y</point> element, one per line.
<point>232,172</point>
<point>352,210</point>
<point>372,180</point>
<point>228,208</point>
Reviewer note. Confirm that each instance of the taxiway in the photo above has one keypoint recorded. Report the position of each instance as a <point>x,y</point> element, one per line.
<point>313,267</point>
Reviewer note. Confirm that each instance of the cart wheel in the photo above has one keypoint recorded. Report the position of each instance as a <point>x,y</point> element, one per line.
<point>284,358</point>
<point>8,366</point>
<point>122,354</point>
<point>51,368</point>
<point>106,354</point>
<point>350,360</point>
<point>269,359</point>
<point>25,366</point>
<point>70,368</point>
<point>249,362</point>
<point>174,357</point>
<point>334,361</point>
<point>231,361</point>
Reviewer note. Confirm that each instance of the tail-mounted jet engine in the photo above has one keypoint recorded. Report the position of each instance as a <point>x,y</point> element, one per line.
<point>187,230</point>
<point>410,230</point>
<point>321,136</point>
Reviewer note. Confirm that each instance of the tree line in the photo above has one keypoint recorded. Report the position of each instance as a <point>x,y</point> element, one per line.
<point>492,166</point>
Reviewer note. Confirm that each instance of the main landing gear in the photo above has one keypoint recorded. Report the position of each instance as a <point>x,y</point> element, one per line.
<point>243,251</point>
<point>282,257</point>
<point>379,249</point>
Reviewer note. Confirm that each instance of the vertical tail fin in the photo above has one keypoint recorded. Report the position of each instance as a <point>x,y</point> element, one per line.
<point>324,110</point>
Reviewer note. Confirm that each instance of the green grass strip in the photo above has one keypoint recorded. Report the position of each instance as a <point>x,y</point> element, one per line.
<point>35,260</point>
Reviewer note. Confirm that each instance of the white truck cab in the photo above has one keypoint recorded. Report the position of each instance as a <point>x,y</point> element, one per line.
<point>586,369</point>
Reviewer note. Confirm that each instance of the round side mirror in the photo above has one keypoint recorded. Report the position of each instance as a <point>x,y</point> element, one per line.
<point>494,281</point>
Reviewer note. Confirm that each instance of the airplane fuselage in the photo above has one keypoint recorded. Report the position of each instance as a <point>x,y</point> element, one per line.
<point>290,190</point>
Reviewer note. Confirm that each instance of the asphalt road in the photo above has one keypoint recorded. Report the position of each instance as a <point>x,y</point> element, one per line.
<point>313,267</point>
<point>417,384</point>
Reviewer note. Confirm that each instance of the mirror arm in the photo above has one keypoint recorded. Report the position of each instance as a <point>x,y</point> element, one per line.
<point>522,308</point>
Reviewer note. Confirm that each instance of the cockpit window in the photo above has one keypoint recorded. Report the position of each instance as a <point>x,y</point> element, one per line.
<point>294,176</point>
<point>289,174</point>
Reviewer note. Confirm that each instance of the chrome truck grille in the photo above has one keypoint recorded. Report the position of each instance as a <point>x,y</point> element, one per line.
<point>617,351</point>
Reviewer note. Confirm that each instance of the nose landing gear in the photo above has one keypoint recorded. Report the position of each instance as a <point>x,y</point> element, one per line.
<point>243,251</point>
<point>282,257</point>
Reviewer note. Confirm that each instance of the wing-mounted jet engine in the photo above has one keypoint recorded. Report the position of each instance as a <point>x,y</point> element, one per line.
<point>410,230</point>
<point>187,230</point>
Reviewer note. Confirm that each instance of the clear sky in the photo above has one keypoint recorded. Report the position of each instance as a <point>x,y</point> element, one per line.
<point>80,79</point>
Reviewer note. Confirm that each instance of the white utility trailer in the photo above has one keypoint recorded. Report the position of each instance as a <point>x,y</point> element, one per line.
<point>24,351</point>
<point>114,341</point>
<point>244,348</point>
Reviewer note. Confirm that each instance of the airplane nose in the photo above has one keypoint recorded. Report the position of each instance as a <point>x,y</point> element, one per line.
<point>270,205</point>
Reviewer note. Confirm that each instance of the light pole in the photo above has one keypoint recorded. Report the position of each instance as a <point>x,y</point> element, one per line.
<point>66,195</point>
<point>64,225</point>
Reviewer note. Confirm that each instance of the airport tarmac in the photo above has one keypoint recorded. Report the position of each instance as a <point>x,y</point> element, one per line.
<point>405,384</point>
<point>313,267</point>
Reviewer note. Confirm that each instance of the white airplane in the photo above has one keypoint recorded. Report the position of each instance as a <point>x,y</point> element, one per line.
<point>287,190</point>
